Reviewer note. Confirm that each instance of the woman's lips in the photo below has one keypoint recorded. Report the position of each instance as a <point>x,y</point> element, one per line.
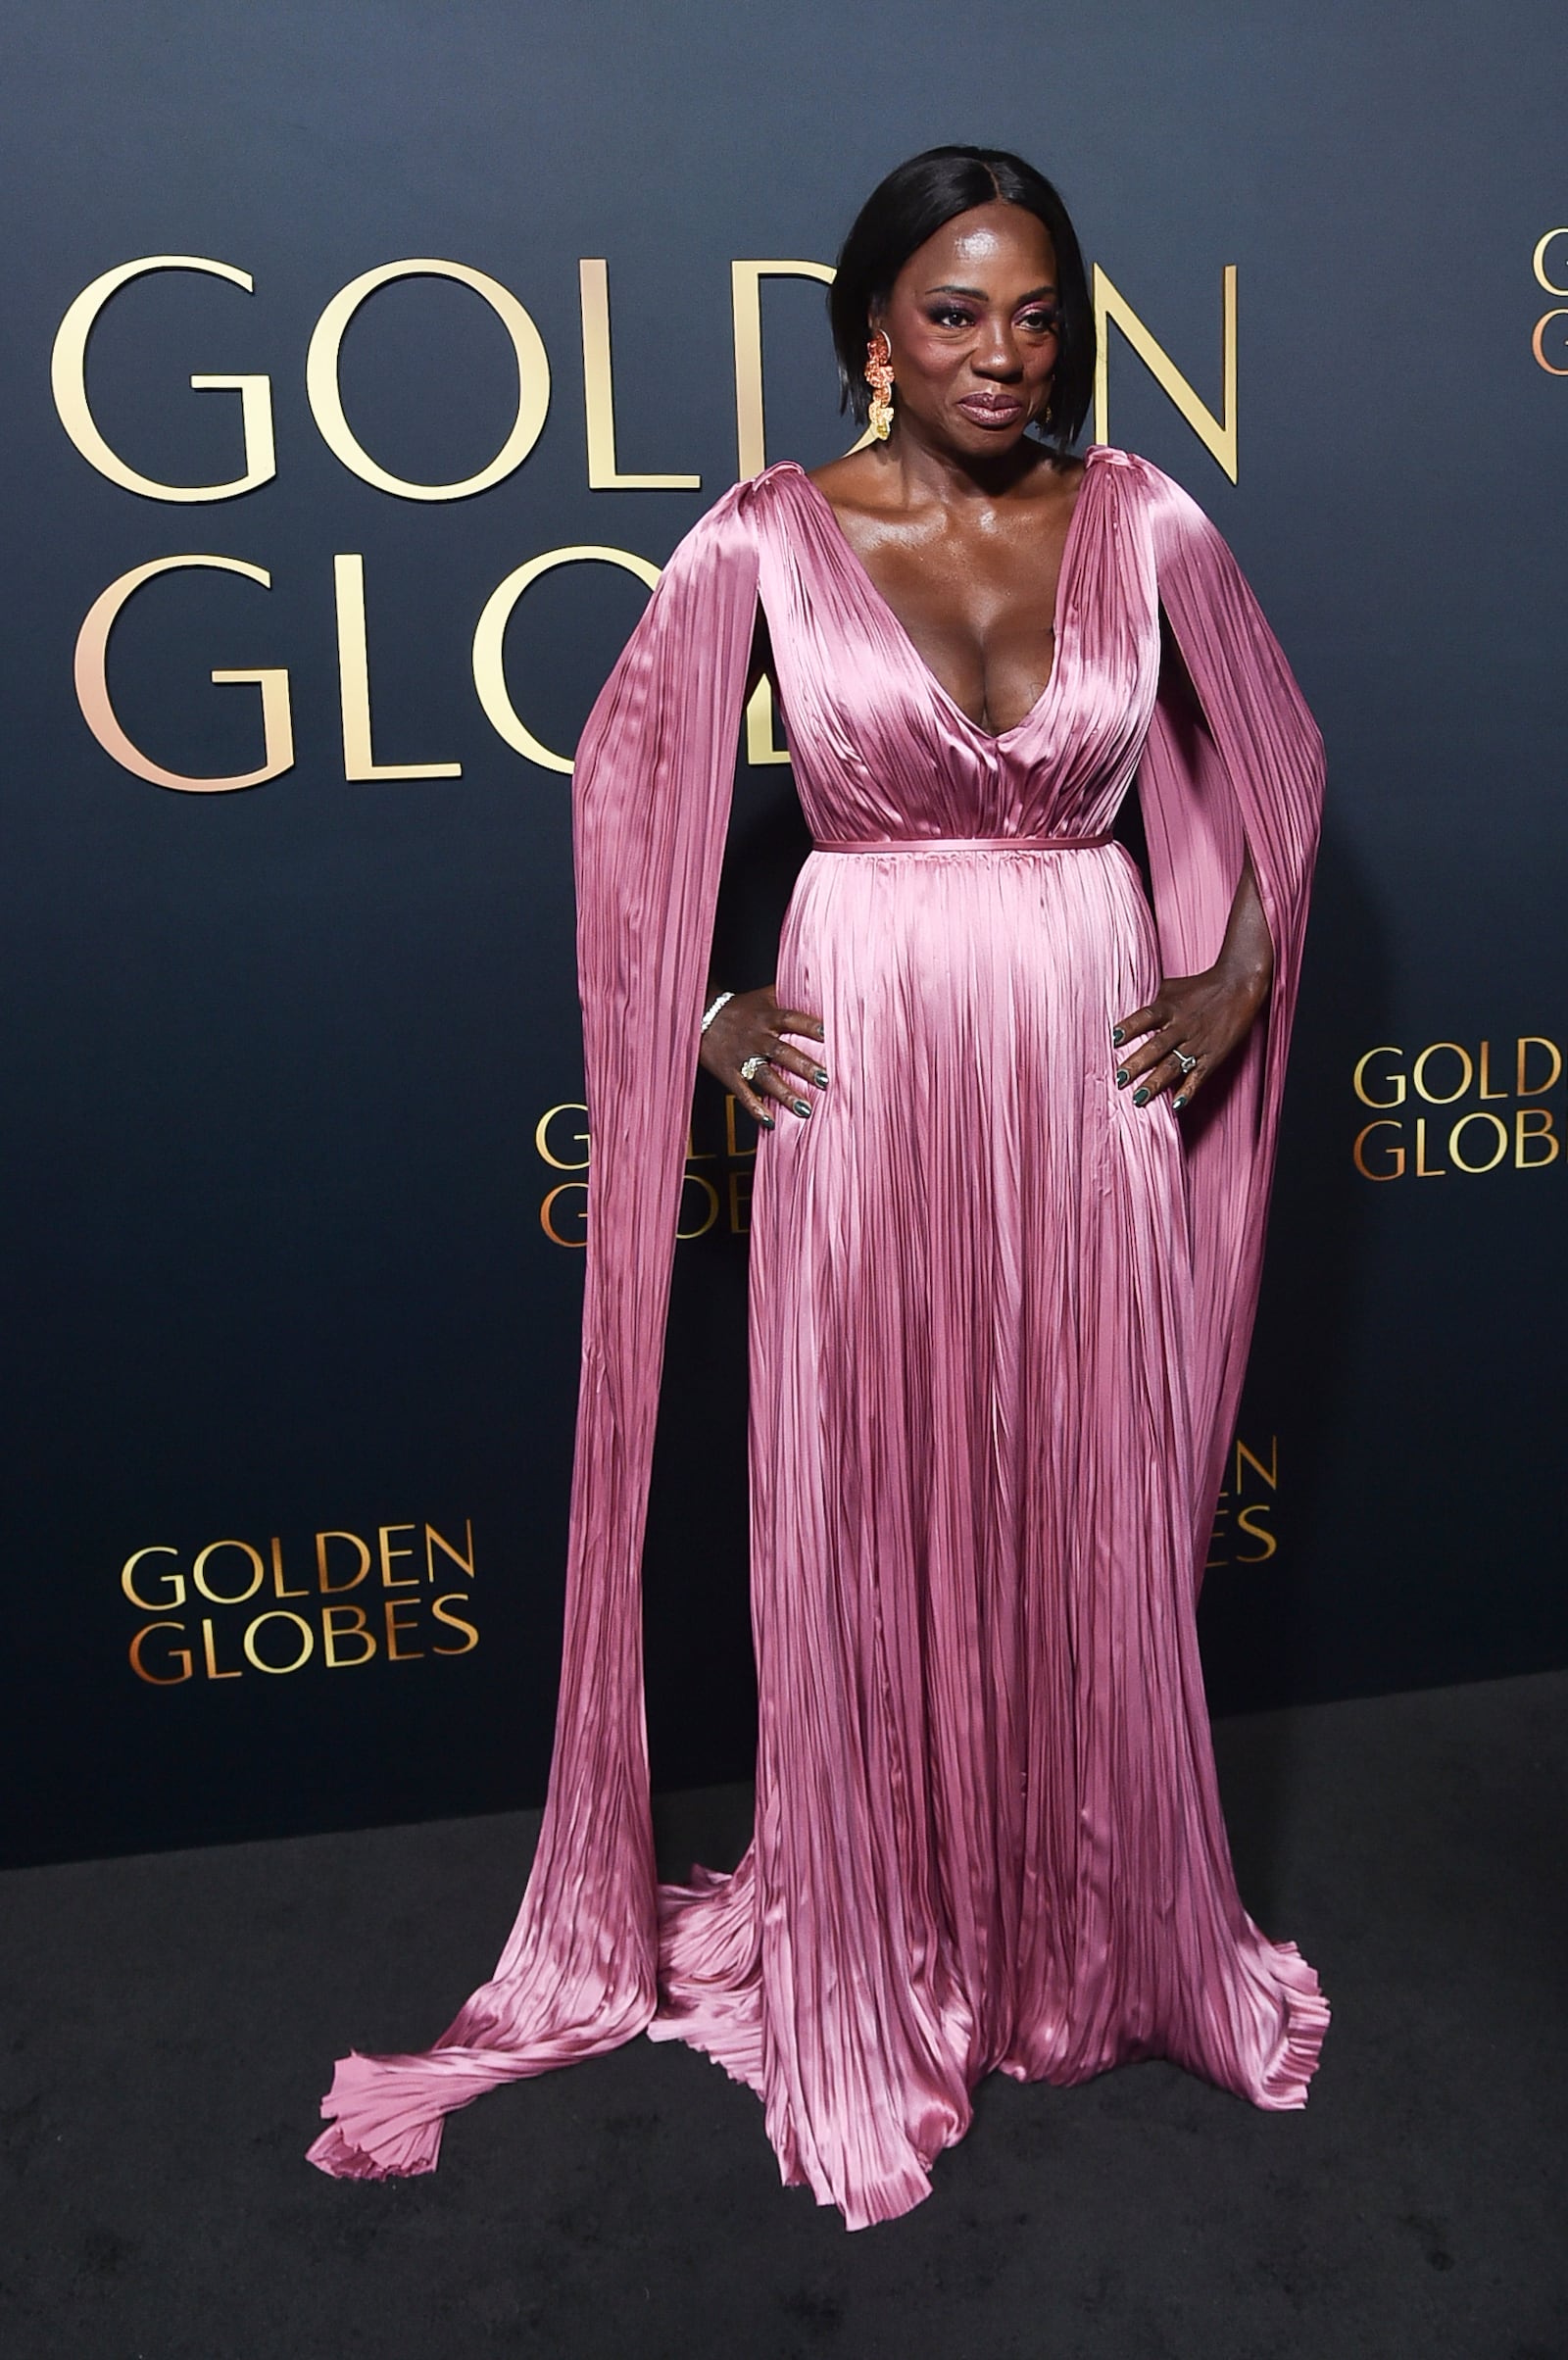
<point>992,408</point>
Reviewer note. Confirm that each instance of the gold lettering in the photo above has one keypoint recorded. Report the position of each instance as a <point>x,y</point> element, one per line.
<point>566,1188</point>
<point>176,1581</point>
<point>67,373</point>
<point>1527,1089</point>
<point>198,1573</point>
<point>1217,436</point>
<point>390,1580</point>
<point>393,1608</point>
<point>1539,262</point>
<point>253,1649</point>
<point>1485,1090</point>
<point>334,1633</point>
<point>1358,1078</point>
<point>1395,1169</point>
<point>710,1195</point>
<point>1246,1517</point>
<point>489,643</point>
<point>1538,343</point>
<point>280,1589</point>
<point>599,394</point>
<point>746,301</point>
<point>1249,1459</point>
<point>740,1204</point>
<point>1530,1122</point>
<point>331,1589</point>
<point>354,685</point>
<point>210,1650</point>
<point>1424,1171</point>
<point>92,686</point>
<point>433,1541</point>
<point>180,1655</point>
<point>761,745</point>
<point>455,1622</point>
<point>1212,1563</point>
<point>326,398</point>
<point>562,1164</point>
<point>1419,1069</point>
<point>1501,1130</point>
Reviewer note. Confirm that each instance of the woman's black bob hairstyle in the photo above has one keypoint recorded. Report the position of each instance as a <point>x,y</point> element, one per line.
<point>917,200</point>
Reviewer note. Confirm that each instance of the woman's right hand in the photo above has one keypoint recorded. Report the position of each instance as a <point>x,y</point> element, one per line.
<point>750,1025</point>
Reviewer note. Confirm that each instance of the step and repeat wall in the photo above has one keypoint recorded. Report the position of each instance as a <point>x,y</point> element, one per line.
<point>362,365</point>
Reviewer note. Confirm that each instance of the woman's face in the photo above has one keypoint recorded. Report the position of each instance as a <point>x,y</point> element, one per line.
<point>973,321</point>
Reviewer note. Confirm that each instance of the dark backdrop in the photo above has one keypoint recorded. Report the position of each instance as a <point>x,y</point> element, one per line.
<point>278,1059</point>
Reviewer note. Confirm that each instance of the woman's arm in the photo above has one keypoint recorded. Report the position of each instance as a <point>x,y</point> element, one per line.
<point>1200,1016</point>
<point>749,1023</point>
<point>1204,1017</point>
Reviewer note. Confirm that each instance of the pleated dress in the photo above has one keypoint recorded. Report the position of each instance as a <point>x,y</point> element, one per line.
<point>999,1318</point>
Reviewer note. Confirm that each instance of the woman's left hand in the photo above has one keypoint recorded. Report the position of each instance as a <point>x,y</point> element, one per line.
<point>1202,1017</point>
<point>1193,1022</point>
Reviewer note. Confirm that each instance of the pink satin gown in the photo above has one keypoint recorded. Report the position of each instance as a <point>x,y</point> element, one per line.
<point>999,1321</point>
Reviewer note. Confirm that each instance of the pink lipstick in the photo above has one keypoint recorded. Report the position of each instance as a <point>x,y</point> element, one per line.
<point>992,408</point>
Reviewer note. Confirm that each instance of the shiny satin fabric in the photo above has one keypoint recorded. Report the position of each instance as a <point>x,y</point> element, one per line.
<point>999,1321</point>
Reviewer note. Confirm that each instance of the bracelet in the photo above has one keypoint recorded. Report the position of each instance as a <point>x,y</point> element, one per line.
<point>712,1010</point>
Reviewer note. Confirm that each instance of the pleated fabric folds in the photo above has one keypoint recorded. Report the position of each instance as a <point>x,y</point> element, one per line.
<point>998,1322</point>
<point>650,807</point>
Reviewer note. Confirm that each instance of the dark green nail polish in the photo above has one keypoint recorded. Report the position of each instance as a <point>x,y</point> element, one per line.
<point>801,1105</point>
<point>820,1076</point>
<point>1123,1077</point>
<point>1140,1098</point>
<point>1117,1037</point>
<point>1179,1103</point>
<point>767,1121</point>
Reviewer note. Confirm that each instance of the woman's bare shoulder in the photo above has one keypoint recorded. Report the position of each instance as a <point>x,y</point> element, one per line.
<point>857,480</point>
<point>865,482</point>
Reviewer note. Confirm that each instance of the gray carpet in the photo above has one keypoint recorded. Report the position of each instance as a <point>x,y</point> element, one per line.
<point>169,2022</point>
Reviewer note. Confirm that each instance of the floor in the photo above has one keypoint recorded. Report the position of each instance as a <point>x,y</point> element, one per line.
<point>172,2020</point>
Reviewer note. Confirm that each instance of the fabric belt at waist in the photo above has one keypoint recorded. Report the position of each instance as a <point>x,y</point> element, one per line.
<point>964,844</point>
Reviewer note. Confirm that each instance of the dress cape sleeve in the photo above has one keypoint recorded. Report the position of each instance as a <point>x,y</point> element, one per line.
<point>651,804</point>
<point>1248,778</point>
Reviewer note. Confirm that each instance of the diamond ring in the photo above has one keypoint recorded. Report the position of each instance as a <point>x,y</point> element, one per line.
<point>752,1067</point>
<point>1186,1063</point>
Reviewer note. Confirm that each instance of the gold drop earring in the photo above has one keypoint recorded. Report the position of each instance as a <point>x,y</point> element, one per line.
<point>879,377</point>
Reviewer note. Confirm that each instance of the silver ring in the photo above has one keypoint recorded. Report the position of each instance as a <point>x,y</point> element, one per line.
<point>752,1067</point>
<point>1186,1063</point>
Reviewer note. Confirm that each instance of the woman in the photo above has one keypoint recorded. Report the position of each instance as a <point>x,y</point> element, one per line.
<point>1006,1231</point>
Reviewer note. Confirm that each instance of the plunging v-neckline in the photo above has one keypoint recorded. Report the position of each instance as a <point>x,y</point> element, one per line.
<point>988,737</point>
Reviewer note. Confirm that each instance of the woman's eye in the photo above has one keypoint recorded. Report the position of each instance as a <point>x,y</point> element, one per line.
<point>949,315</point>
<point>1042,324</point>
